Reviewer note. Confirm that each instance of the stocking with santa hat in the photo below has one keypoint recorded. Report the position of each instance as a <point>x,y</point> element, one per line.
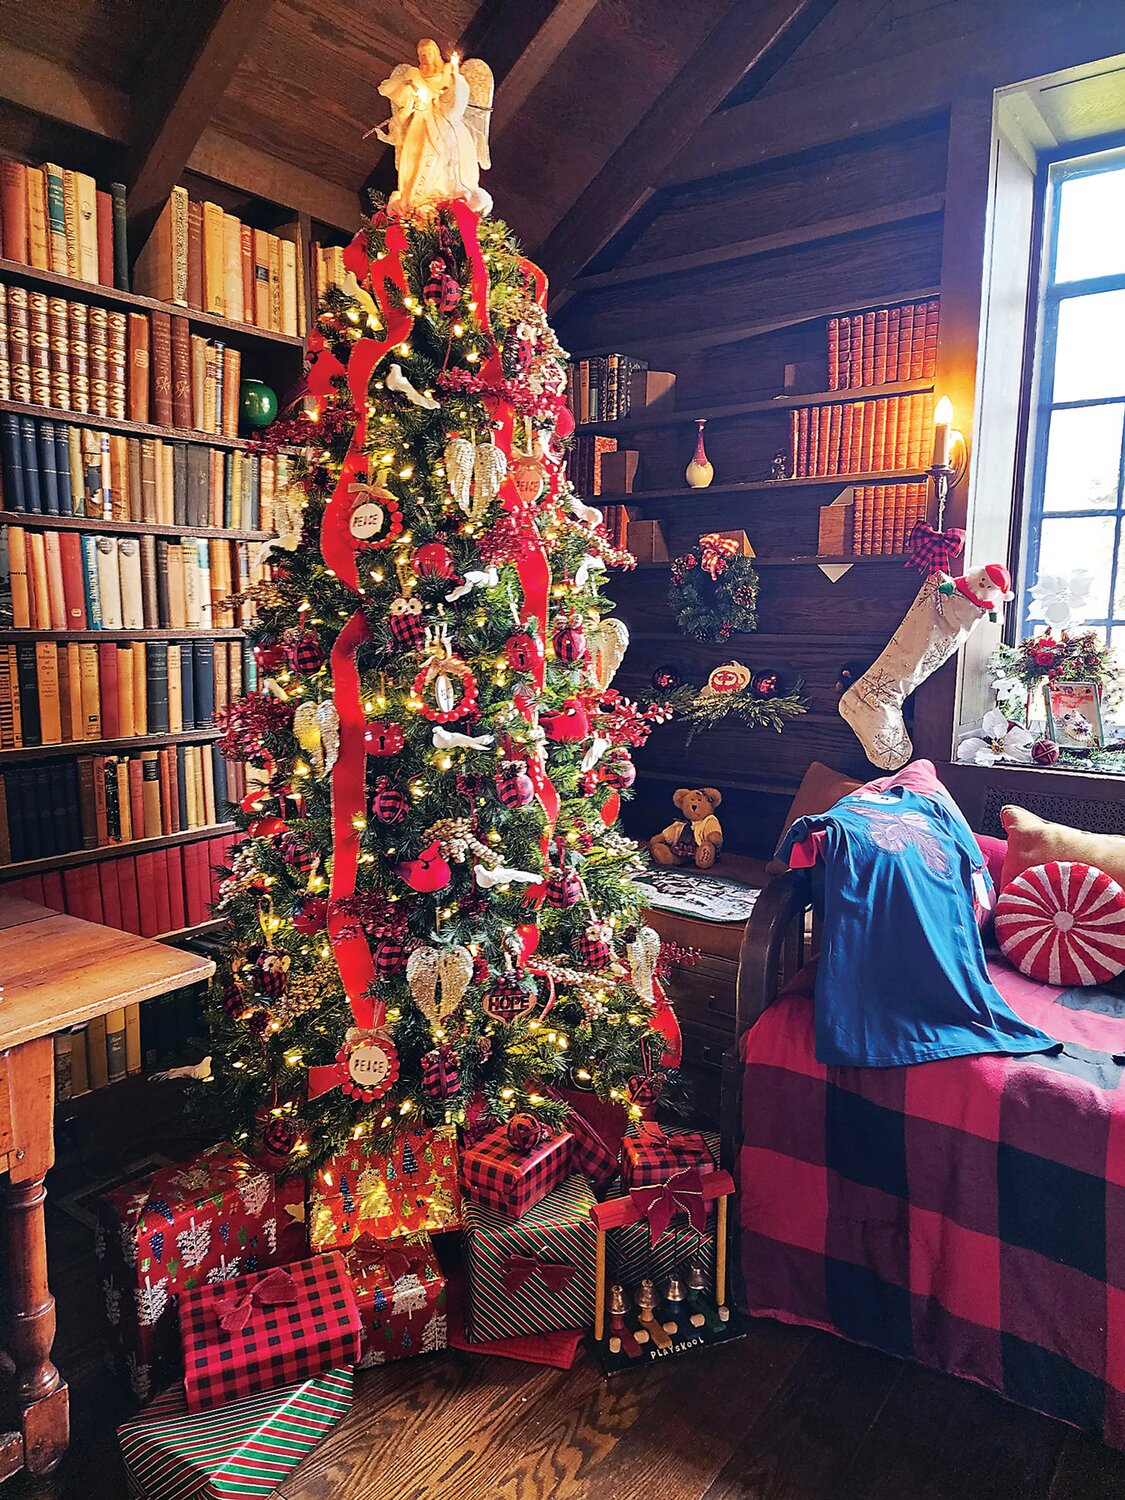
<point>938,623</point>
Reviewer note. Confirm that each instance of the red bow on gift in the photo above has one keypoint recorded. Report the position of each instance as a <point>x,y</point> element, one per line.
<point>236,1308</point>
<point>681,1193</point>
<point>525,1133</point>
<point>654,1134</point>
<point>716,551</point>
<point>518,1269</point>
<point>397,1260</point>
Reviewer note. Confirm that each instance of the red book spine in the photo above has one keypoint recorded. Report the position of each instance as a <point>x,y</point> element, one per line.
<point>833,354</point>
<point>74,593</point>
<point>929,345</point>
<point>146,890</point>
<point>867,376</point>
<point>905,334</point>
<point>161,357</point>
<point>130,900</point>
<point>176,893</point>
<point>195,884</point>
<point>83,892</point>
<point>105,246</point>
<point>111,892</point>
<point>53,890</point>
<point>166,800</point>
<point>160,881</point>
<point>107,675</point>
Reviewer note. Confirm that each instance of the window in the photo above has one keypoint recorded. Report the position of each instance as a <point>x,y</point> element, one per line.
<point>1076,502</point>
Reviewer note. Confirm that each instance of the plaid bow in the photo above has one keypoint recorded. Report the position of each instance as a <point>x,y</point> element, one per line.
<point>519,1269</point>
<point>716,551</point>
<point>236,1308</point>
<point>681,1193</point>
<point>933,551</point>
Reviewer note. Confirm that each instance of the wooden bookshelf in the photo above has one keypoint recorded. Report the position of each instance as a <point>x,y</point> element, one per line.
<point>900,558</point>
<point>757,486</point>
<point>188,633</point>
<point>641,422</point>
<point>183,934</point>
<point>109,747</point>
<point>112,851</point>
<point>120,424</point>
<point>36,520</point>
<point>99,295</point>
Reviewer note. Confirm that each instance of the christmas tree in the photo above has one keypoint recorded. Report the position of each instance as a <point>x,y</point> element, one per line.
<point>431,917</point>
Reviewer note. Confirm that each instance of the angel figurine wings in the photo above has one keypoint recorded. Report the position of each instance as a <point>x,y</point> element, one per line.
<point>439,129</point>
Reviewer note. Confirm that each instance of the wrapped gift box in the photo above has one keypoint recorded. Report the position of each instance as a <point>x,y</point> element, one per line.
<point>242,1452</point>
<point>631,1254</point>
<point>256,1333</point>
<point>401,1294</point>
<point>535,1274</point>
<point>651,1154</point>
<point>202,1221</point>
<point>510,1179</point>
<point>413,1189</point>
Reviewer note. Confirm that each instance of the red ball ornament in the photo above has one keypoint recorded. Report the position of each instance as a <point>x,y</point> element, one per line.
<point>528,934</point>
<point>765,685</point>
<point>433,560</point>
<point>383,739</point>
<point>524,652</point>
<point>429,872</point>
<point>514,786</point>
<point>312,917</point>
<point>1045,752</point>
<point>389,803</point>
<point>569,641</point>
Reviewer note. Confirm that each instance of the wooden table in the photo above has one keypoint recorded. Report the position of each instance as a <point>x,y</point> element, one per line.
<point>55,972</point>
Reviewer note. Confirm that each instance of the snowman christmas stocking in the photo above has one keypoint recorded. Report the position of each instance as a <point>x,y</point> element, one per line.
<point>938,623</point>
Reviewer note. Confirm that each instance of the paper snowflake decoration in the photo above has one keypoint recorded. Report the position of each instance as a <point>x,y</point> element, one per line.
<point>1060,599</point>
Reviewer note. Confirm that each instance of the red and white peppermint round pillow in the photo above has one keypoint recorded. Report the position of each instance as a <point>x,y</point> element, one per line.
<point>1063,923</point>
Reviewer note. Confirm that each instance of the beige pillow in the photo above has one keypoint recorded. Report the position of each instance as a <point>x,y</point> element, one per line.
<point>821,788</point>
<point>1031,841</point>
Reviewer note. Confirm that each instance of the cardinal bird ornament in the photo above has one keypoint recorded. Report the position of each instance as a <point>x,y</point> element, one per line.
<point>571,722</point>
<point>429,872</point>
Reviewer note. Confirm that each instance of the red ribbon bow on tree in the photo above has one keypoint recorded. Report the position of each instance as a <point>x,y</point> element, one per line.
<point>933,551</point>
<point>235,1309</point>
<point>716,551</point>
<point>681,1193</point>
<point>519,1269</point>
<point>525,1133</point>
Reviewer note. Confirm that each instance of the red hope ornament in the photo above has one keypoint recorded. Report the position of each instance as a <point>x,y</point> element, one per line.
<point>513,996</point>
<point>433,560</point>
<point>429,872</point>
<point>383,739</point>
<point>523,651</point>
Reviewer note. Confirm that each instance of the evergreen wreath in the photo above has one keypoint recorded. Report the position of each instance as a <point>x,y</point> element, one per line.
<point>713,601</point>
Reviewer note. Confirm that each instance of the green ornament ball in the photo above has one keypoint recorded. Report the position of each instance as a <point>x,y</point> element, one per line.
<point>257,403</point>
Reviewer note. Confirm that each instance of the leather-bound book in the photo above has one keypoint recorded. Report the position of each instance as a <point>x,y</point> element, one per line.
<point>275,283</point>
<point>78,317</point>
<point>140,686</point>
<point>178,204</point>
<point>232,372</point>
<point>46,467</point>
<point>55,598</point>
<point>156,686</point>
<point>175,689</point>
<point>107,677</point>
<point>150,775</point>
<point>181,372</point>
<point>118,476</point>
<point>10,739</point>
<point>11,462</point>
<point>28,683</point>
<point>74,593</point>
<point>139,367</point>
<point>246,255</point>
<point>104,215</point>
<point>70,218</point>
<point>29,450</point>
<point>232,268</point>
<point>261,315</point>
<point>47,685</point>
<point>197,504</point>
<point>118,365</point>
<point>19,354</point>
<point>288,286</point>
<point>109,582</point>
<point>99,361</point>
<point>212,355</point>
<point>187,685</point>
<point>120,237</point>
<point>209,808</point>
<point>137,796</point>
<point>5,364</point>
<point>162,412</point>
<point>39,347</point>
<point>183,815</point>
<point>38,237</point>
<point>87,196</point>
<point>203,681</point>
<point>13,210</point>
<point>58,342</point>
<point>126,709</point>
<point>90,692</point>
<point>149,592</point>
<point>132,588</point>
<point>195,255</point>
<point>56,217</point>
<point>213,260</point>
<point>87,813</point>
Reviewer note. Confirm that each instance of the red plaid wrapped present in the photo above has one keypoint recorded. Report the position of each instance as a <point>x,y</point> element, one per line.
<point>259,1332</point>
<point>400,1290</point>
<point>650,1154</point>
<point>384,1195</point>
<point>200,1221</point>
<point>511,1174</point>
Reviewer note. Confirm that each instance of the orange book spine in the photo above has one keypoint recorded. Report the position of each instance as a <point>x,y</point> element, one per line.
<point>879,454</point>
<point>867,375</point>
<point>905,335</point>
<point>139,357</point>
<point>890,440</point>
<point>879,363</point>
<point>929,343</point>
<point>867,437</point>
<point>918,341</point>
<point>835,421</point>
<point>803,443</point>
<point>878,510</point>
<point>891,371</point>
<point>794,454</point>
<point>79,321</point>
<point>823,454</point>
<point>859,518</point>
<point>60,352</point>
<point>39,347</point>
<point>834,354</point>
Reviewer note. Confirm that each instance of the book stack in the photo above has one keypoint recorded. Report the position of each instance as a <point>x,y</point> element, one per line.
<point>57,469</point>
<point>328,268</point>
<point>584,462</point>
<point>883,517</point>
<point>60,694</point>
<point>201,257</point>
<point>92,801</point>
<point>601,389</point>
<point>140,367</point>
<point>857,437</point>
<point>128,1041</point>
<point>61,221</point>
<point>69,580</point>
<point>883,345</point>
<point>616,520</point>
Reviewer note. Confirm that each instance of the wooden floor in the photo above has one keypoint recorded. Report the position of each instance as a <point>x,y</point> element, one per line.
<point>785,1414</point>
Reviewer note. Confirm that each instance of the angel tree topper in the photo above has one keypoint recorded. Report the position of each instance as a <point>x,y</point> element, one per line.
<point>439,129</point>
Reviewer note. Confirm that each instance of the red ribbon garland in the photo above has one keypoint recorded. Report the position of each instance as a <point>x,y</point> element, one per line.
<point>235,1309</point>
<point>681,1193</point>
<point>518,1270</point>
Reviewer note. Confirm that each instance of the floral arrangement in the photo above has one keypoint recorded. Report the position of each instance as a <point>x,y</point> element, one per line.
<point>1018,671</point>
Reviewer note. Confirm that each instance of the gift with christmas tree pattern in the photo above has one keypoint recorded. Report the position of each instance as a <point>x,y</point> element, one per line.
<point>400,1290</point>
<point>362,1190</point>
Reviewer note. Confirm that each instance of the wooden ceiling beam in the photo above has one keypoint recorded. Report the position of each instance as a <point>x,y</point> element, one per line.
<point>251,171</point>
<point>179,97</point>
<point>46,88</point>
<point>742,39</point>
<point>537,59</point>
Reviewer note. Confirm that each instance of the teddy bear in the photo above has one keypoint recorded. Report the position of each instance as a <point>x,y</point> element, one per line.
<point>697,835</point>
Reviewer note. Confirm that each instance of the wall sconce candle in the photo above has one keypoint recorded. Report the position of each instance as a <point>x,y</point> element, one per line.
<point>943,424</point>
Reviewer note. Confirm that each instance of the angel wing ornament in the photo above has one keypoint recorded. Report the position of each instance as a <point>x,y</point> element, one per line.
<point>439,128</point>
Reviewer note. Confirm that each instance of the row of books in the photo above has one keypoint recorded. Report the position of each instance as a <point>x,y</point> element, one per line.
<point>328,268</point>
<point>138,366</point>
<point>584,462</point>
<point>601,389</point>
<point>150,893</point>
<point>854,437</point>
<point>201,257</point>
<point>69,580</point>
<point>61,221</point>
<point>93,801</point>
<point>616,519</point>
<point>128,1041</point>
<point>883,345</point>
<point>884,516</point>
<point>56,694</point>
<point>56,469</point>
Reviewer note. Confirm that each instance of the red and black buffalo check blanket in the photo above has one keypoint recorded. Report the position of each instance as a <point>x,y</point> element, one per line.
<point>967,1213</point>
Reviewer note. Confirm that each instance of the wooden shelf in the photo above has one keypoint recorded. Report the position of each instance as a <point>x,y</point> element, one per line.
<point>109,296</point>
<point>901,558</point>
<point>39,522</point>
<point>119,424</point>
<point>639,423</point>
<point>187,632</point>
<point>753,486</point>
<point>181,934</point>
<point>108,747</point>
<point>112,851</point>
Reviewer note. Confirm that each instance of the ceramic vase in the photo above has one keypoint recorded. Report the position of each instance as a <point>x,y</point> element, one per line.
<point>700,471</point>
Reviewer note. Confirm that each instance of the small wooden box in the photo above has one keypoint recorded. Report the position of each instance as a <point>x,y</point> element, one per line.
<point>650,388</point>
<point>744,547</point>
<point>645,541</point>
<point>619,471</point>
<point>835,533</point>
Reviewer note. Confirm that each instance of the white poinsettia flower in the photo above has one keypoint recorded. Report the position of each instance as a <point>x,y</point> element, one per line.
<point>996,740</point>
<point>1061,599</point>
<point>1006,687</point>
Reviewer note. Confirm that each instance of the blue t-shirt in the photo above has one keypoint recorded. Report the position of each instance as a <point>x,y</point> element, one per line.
<point>902,975</point>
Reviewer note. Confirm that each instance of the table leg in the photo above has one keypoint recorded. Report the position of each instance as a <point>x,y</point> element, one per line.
<point>40,1390</point>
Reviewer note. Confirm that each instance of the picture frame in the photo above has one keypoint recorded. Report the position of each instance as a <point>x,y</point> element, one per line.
<point>1069,704</point>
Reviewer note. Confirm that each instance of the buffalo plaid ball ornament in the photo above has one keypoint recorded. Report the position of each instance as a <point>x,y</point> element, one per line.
<point>617,770</point>
<point>569,640</point>
<point>295,852</point>
<point>390,957</point>
<point>514,786</point>
<point>406,624</point>
<point>564,888</point>
<point>305,653</point>
<point>389,802</point>
<point>593,946</point>
<point>441,1077</point>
